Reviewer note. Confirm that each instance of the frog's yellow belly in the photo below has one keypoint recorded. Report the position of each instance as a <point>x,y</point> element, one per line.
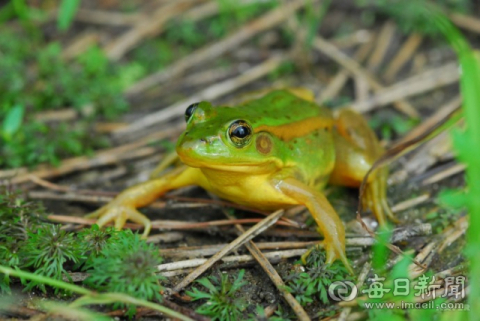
<point>251,190</point>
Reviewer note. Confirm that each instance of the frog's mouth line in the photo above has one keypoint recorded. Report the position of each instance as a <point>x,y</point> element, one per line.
<point>266,166</point>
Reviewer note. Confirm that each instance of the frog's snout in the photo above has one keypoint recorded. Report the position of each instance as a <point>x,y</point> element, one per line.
<point>191,150</point>
<point>191,144</point>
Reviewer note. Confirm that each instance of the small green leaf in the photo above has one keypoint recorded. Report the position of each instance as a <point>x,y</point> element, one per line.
<point>206,283</point>
<point>380,249</point>
<point>453,198</point>
<point>67,11</point>
<point>12,121</point>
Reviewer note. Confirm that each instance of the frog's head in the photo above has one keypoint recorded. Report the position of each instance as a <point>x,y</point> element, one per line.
<point>224,138</point>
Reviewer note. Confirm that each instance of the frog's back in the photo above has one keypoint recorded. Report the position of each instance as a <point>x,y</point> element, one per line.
<point>281,107</point>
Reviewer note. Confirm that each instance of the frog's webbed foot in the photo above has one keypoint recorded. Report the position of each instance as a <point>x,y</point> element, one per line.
<point>119,213</point>
<point>375,197</point>
<point>325,216</point>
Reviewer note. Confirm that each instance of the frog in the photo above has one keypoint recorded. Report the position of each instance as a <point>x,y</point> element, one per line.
<point>269,153</point>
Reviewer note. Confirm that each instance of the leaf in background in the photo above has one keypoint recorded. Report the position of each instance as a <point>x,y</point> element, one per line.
<point>67,11</point>
<point>12,121</point>
<point>453,198</point>
<point>380,249</point>
<point>21,9</point>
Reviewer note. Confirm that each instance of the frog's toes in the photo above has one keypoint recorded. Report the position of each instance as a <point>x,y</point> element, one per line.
<point>109,214</point>
<point>97,213</point>
<point>388,212</point>
<point>336,251</point>
<point>305,255</point>
<point>119,215</point>
<point>137,217</point>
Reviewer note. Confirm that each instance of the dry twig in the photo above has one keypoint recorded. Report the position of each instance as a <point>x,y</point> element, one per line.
<point>208,93</point>
<point>250,234</point>
<point>217,49</point>
<point>428,80</point>
<point>355,68</point>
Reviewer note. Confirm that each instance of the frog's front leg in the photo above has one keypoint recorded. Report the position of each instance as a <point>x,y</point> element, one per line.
<point>124,206</point>
<point>325,216</point>
<point>356,150</point>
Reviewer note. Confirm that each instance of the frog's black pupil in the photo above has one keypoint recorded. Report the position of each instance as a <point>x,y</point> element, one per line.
<point>190,110</point>
<point>241,132</point>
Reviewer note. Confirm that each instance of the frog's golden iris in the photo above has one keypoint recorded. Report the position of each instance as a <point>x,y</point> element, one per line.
<point>240,133</point>
<point>270,153</point>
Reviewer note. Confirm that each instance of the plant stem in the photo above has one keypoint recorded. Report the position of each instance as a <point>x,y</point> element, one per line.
<point>45,280</point>
<point>92,297</point>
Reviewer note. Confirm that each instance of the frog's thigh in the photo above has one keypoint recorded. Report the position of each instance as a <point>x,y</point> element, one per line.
<point>354,128</point>
<point>323,213</point>
<point>356,149</point>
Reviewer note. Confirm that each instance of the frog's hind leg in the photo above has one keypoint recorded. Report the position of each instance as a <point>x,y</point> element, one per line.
<point>357,148</point>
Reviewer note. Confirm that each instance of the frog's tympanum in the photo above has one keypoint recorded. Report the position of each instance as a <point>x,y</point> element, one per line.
<point>269,153</point>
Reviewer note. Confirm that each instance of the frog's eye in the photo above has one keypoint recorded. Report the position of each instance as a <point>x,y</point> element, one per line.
<point>240,133</point>
<point>190,110</point>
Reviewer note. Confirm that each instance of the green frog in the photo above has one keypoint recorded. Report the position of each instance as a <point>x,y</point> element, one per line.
<point>273,152</point>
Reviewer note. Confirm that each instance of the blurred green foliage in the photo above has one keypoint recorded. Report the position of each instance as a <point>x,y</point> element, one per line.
<point>21,10</point>
<point>410,15</point>
<point>66,13</point>
<point>35,79</point>
<point>392,125</point>
<point>181,37</point>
